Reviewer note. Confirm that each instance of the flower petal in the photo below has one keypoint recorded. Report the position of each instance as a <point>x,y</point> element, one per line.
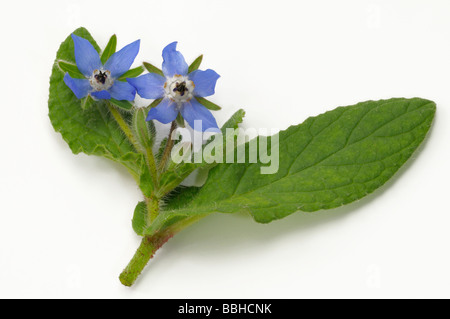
<point>101,95</point>
<point>205,82</point>
<point>193,111</point>
<point>80,87</point>
<point>174,62</point>
<point>122,91</point>
<point>149,86</point>
<point>121,61</point>
<point>165,112</point>
<point>86,56</point>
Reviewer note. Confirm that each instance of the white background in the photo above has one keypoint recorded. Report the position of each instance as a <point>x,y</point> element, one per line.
<point>65,226</point>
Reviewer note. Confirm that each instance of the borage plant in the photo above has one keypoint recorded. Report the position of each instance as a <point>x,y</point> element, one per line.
<point>327,161</point>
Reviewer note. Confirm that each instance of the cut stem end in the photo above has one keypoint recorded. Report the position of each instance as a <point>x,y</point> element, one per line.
<point>148,247</point>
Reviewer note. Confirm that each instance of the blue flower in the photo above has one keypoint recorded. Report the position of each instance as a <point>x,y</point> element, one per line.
<point>178,90</point>
<point>101,80</point>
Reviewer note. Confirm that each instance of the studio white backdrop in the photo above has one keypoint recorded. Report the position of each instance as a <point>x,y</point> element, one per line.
<point>65,220</point>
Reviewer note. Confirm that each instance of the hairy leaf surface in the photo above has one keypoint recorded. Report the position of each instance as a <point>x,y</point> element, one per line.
<point>328,161</point>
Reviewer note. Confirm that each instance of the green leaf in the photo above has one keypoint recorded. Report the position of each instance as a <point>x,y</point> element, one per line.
<point>153,69</point>
<point>143,130</point>
<point>145,181</point>
<point>91,130</point>
<point>161,149</point>
<point>87,102</point>
<point>208,104</point>
<point>234,121</point>
<point>140,218</point>
<point>196,64</point>
<point>125,105</point>
<point>70,68</point>
<point>180,197</point>
<point>328,161</point>
<point>131,73</point>
<point>110,49</point>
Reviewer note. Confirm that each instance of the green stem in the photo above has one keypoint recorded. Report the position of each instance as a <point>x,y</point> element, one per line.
<point>123,125</point>
<point>144,253</point>
<point>148,247</point>
<point>168,149</point>
<point>152,209</point>
<point>129,134</point>
<point>152,166</point>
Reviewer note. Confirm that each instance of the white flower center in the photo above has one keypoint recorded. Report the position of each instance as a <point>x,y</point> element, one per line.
<point>101,80</point>
<point>179,89</point>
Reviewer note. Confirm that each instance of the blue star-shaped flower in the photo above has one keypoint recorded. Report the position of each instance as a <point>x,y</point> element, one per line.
<point>101,80</point>
<point>178,90</point>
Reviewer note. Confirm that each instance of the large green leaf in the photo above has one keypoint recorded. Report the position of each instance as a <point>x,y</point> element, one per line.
<point>91,130</point>
<point>328,161</point>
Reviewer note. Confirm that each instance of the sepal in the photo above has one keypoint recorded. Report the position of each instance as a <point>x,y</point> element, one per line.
<point>124,105</point>
<point>132,73</point>
<point>70,68</point>
<point>208,104</point>
<point>110,49</point>
<point>153,69</point>
<point>196,64</point>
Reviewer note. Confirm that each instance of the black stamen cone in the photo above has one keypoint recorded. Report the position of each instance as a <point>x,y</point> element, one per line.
<point>181,87</point>
<point>101,77</point>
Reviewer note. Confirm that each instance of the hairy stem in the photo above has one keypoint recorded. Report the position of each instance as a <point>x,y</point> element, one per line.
<point>148,247</point>
<point>144,253</point>
<point>168,149</point>
<point>152,209</point>
<point>123,125</point>
<point>152,166</point>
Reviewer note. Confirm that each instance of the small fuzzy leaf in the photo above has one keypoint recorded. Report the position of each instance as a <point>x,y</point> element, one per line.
<point>124,105</point>
<point>143,130</point>
<point>110,49</point>
<point>180,197</point>
<point>161,149</point>
<point>139,222</point>
<point>208,104</point>
<point>145,181</point>
<point>70,68</point>
<point>153,69</point>
<point>234,121</point>
<point>330,160</point>
<point>132,73</point>
<point>196,64</point>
